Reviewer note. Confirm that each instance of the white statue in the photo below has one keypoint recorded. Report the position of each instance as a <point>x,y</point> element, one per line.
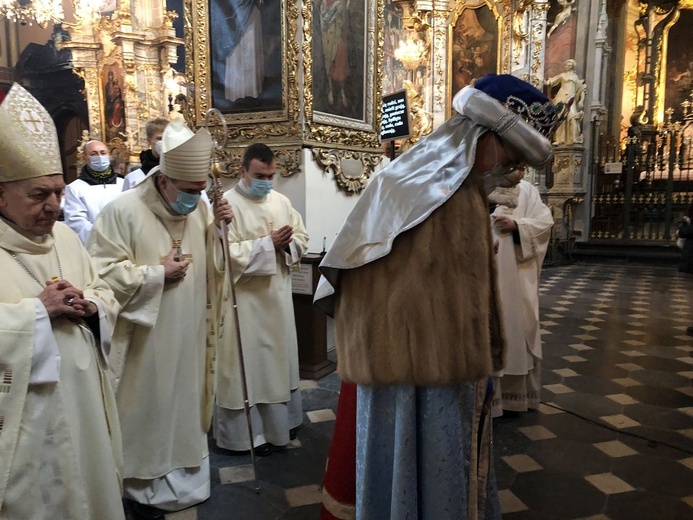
<point>572,90</point>
<point>84,140</point>
<point>130,139</point>
<point>563,16</point>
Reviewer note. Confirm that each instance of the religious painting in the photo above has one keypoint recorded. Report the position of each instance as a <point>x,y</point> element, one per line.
<point>112,88</point>
<point>394,73</point>
<point>246,39</point>
<point>339,57</point>
<point>679,65</point>
<point>474,47</point>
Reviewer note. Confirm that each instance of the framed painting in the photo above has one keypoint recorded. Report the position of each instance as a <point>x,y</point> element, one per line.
<point>342,69</point>
<point>475,46</point>
<point>113,103</point>
<point>240,62</point>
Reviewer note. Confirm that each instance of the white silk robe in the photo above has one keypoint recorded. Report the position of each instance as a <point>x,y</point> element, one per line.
<point>164,341</point>
<point>60,446</point>
<point>265,304</point>
<point>519,266</point>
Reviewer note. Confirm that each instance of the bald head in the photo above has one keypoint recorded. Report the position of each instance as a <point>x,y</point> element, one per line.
<point>95,148</point>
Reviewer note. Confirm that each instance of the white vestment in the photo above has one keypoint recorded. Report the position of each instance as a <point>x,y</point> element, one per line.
<point>164,340</point>
<point>268,329</point>
<point>244,72</point>
<point>84,201</point>
<point>133,178</point>
<point>60,446</point>
<point>519,267</point>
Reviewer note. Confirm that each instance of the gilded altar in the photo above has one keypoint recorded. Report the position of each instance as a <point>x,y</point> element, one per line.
<point>124,58</point>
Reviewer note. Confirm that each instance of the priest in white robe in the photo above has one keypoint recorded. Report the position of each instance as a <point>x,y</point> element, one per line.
<point>267,240</point>
<point>60,448</point>
<point>523,229</point>
<point>158,248</point>
<point>96,186</point>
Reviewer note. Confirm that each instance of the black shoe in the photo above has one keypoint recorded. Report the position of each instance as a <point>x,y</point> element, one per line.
<point>263,450</point>
<point>293,433</point>
<point>137,511</point>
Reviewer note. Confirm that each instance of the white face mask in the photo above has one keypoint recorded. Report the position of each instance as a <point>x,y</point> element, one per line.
<point>99,163</point>
<point>157,147</point>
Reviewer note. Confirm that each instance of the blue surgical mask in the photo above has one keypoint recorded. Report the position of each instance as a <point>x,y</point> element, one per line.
<point>260,188</point>
<point>185,202</point>
<point>99,163</point>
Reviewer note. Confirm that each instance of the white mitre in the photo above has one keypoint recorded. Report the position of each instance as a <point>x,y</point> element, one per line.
<point>185,156</point>
<point>28,139</point>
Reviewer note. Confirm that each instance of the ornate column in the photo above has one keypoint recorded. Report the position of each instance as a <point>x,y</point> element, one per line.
<point>527,34</point>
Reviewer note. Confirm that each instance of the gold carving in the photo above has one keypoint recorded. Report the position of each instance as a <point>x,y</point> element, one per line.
<point>91,92</point>
<point>288,160</point>
<point>331,160</point>
<point>440,43</point>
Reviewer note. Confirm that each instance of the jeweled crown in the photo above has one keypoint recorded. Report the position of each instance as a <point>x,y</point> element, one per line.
<point>545,117</point>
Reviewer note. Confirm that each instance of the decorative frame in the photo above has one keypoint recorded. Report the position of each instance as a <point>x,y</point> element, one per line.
<point>341,129</point>
<point>460,9</point>
<point>247,124</point>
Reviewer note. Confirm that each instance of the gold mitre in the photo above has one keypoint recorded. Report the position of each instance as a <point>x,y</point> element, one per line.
<point>28,138</point>
<point>185,156</point>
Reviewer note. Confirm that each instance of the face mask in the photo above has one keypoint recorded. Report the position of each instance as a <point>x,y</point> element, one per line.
<point>185,202</point>
<point>157,147</point>
<point>260,188</point>
<point>99,163</point>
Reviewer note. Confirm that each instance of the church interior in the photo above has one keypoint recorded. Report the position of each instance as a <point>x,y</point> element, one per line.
<point>613,436</point>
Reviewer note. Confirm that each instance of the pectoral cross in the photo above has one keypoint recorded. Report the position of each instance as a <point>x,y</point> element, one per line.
<point>176,245</point>
<point>178,254</point>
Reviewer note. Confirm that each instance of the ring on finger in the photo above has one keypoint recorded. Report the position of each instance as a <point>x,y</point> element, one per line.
<point>69,300</point>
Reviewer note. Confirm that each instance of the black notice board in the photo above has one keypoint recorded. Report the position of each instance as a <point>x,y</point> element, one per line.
<point>395,120</point>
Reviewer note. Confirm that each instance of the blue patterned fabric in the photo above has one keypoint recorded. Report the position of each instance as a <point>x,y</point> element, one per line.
<point>416,454</point>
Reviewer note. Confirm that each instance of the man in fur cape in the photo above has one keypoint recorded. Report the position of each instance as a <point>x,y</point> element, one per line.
<point>410,281</point>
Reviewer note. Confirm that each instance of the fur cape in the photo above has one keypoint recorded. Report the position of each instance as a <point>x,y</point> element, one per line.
<point>427,313</point>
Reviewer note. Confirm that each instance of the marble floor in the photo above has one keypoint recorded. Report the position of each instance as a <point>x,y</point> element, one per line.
<point>613,438</point>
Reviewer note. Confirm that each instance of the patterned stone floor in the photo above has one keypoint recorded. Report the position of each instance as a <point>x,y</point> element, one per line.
<point>614,436</point>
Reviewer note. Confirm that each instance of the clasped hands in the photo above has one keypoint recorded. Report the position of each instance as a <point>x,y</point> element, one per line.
<point>282,237</point>
<point>61,298</point>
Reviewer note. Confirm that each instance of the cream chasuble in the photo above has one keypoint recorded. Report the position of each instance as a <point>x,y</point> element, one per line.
<point>265,304</point>
<point>519,266</point>
<point>163,346</point>
<point>59,435</point>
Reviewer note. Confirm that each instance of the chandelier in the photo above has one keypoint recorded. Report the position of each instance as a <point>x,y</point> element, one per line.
<point>43,12</point>
<point>27,12</point>
<point>409,53</point>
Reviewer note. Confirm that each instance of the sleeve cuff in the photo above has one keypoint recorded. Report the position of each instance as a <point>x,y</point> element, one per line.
<point>45,361</point>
